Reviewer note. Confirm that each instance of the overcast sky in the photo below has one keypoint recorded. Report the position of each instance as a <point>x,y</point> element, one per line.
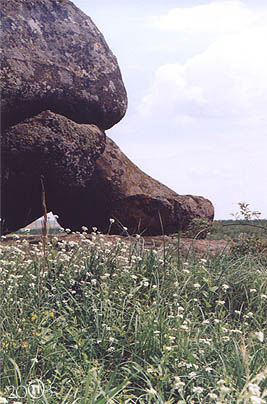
<point>196,77</point>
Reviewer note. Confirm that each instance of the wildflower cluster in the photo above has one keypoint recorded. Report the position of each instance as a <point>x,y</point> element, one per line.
<point>118,321</point>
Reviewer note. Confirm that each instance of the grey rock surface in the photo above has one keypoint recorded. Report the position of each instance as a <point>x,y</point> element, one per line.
<point>47,145</point>
<point>119,189</point>
<point>61,88</point>
<point>54,57</point>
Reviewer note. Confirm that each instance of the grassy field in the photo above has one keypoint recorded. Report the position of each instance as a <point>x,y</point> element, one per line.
<point>91,321</point>
<point>233,229</point>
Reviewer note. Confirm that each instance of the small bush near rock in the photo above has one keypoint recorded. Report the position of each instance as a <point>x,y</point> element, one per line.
<point>249,245</point>
<point>198,228</point>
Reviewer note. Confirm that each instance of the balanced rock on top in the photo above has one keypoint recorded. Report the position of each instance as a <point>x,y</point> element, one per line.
<point>55,58</point>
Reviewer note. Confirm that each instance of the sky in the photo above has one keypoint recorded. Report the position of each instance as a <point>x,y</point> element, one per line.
<point>196,76</point>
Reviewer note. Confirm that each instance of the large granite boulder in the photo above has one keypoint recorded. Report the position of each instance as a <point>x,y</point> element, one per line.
<point>55,58</point>
<point>48,145</point>
<point>119,189</point>
<point>62,88</point>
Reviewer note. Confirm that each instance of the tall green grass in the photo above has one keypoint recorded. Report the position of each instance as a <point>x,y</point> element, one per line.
<point>111,322</point>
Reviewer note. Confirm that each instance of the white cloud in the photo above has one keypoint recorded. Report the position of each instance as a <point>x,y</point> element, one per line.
<point>201,73</point>
<point>201,127</point>
<point>227,80</point>
<point>214,17</point>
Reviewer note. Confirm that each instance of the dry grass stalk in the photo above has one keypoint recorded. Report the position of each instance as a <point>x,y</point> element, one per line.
<point>44,241</point>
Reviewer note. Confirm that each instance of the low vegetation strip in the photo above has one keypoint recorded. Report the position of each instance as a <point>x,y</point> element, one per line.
<point>120,322</point>
<point>233,228</point>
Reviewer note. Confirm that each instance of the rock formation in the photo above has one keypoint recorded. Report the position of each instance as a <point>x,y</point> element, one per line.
<point>55,58</point>
<point>47,145</point>
<point>119,189</point>
<point>62,88</point>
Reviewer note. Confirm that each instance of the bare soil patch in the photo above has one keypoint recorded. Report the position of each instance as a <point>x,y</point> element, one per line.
<point>186,246</point>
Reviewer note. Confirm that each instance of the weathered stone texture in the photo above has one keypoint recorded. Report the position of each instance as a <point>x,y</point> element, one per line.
<point>47,145</point>
<point>119,189</point>
<point>61,88</point>
<point>55,58</point>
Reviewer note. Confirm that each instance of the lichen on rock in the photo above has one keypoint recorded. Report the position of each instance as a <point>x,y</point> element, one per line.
<point>54,57</point>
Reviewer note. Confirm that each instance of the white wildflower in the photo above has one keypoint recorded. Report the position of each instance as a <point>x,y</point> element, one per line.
<point>179,385</point>
<point>146,283</point>
<point>213,395</point>
<point>260,335</point>
<point>192,374</point>
<point>256,400</point>
<point>198,389</point>
<point>204,341</point>
<point>254,389</point>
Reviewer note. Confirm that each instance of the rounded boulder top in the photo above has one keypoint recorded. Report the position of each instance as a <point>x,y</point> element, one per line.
<point>55,58</point>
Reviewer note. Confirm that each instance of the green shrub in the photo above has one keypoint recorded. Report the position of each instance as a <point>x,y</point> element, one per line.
<point>249,245</point>
<point>198,228</point>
